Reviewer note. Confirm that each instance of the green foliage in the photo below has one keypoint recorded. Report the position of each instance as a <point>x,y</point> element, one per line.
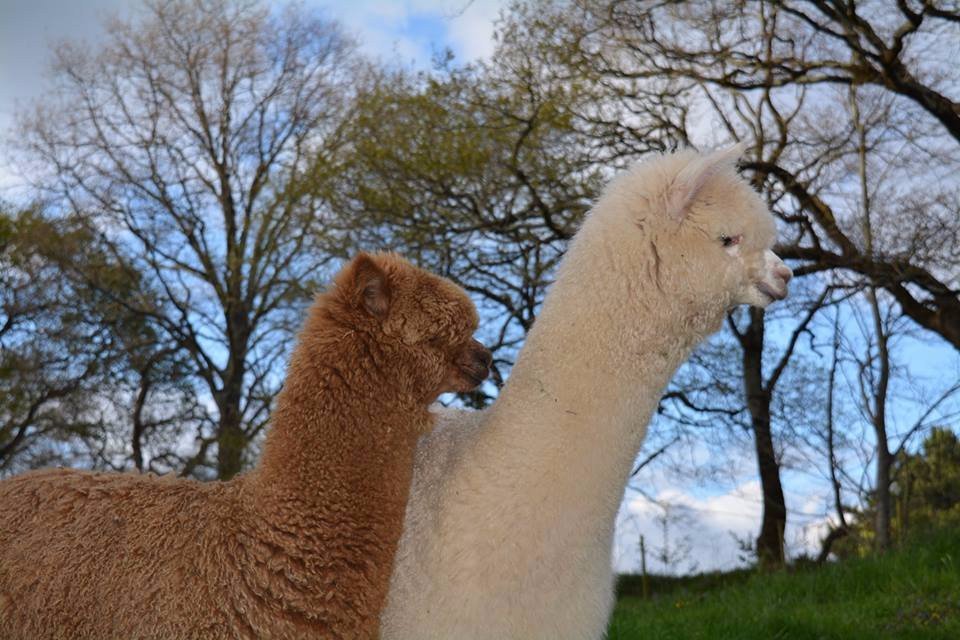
<point>483,172</point>
<point>926,496</point>
<point>471,176</point>
<point>928,484</point>
<point>73,354</point>
<point>55,341</point>
<point>911,593</point>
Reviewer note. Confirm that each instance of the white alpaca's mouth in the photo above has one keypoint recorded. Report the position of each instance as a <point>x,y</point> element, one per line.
<point>770,292</point>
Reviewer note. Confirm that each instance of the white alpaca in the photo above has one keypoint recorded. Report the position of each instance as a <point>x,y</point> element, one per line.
<point>510,522</point>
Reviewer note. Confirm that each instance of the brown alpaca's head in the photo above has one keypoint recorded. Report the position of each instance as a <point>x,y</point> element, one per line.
<point>423,323</point>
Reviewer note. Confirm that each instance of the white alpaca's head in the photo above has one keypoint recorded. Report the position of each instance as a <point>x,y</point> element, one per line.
<point>703,234</point>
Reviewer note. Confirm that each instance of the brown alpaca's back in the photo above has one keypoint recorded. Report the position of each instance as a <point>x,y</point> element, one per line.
<point>302,547</point>
<point>71,541</point>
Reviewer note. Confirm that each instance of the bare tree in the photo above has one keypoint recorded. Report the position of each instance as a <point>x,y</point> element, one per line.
<point>801,56</point>
<point>780,75</point>
<point>732,386</point>
<point>185,144</point>
<point>759,391</point>
<point>876,376</point>
<point>876,367</point>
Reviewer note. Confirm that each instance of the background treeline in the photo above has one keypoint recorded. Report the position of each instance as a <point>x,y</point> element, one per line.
<point>197,175</point>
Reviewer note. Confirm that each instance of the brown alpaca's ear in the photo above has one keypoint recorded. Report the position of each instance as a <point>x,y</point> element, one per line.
<point>690,181</point>
<point>370,286</point>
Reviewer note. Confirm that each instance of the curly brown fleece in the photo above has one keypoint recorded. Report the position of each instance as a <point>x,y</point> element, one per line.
<point>302,547</point>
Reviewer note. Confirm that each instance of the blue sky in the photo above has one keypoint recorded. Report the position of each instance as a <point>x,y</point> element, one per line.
<point>407,31</point>
<point>410,32</point>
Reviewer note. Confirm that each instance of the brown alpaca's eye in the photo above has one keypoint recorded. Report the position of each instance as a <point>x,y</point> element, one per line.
<point>729,241</point>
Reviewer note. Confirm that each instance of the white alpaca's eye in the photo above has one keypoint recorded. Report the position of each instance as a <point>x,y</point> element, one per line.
<point>729,241</point>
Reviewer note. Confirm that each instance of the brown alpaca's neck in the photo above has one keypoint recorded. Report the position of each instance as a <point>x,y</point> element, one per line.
<point>338,411</point>
<point>326,502</point>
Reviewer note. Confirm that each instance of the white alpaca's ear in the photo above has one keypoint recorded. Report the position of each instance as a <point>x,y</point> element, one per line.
<point>690,181</point>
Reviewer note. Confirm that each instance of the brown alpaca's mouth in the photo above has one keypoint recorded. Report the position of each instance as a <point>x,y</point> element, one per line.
<point>476,369</point>
<point>475,375</point>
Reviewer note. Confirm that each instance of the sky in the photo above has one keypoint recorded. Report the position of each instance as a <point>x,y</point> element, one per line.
<point>704,522</point>
<point>404,31</point>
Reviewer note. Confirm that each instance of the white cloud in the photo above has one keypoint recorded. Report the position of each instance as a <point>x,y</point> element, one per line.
<point>702,532</point>
<point>412,30</point>
<point>471,33</point>
<point>379,27</point>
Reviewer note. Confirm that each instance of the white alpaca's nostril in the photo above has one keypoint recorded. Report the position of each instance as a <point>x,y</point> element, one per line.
<point>784,273</point>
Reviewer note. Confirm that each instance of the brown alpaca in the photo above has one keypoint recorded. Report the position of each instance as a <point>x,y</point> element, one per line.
<point>301,547</point>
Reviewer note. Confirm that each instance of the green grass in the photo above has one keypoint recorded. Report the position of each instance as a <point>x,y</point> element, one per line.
<point>911,593</point>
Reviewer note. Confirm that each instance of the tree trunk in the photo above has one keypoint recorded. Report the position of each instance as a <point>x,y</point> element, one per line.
<point>884,457</point>
<point>139,427</point>
<point>882,523</point>
<point>770,551</point>
<point>231,439</point>
<point>842,529</point>
<point>826,545</point>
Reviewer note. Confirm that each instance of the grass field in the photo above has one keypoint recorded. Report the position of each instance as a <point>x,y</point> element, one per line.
<point>911,593</point>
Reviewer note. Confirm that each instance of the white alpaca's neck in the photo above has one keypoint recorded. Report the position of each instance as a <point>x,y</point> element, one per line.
<point>593,367</point>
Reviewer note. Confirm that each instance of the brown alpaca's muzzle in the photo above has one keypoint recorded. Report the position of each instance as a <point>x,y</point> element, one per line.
<point>472,366</point>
